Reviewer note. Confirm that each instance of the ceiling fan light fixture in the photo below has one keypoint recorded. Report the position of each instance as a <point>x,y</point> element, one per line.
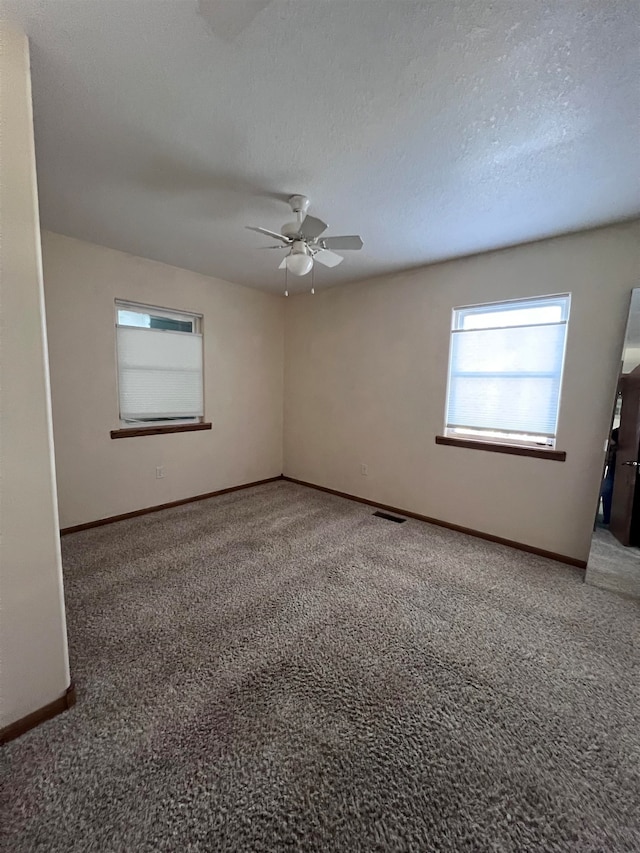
<point>299,262</point>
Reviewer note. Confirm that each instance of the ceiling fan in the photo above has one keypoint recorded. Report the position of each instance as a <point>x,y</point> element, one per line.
<point>304,241</point>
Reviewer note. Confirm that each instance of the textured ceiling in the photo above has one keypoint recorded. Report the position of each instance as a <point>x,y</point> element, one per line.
<point>434,129</point>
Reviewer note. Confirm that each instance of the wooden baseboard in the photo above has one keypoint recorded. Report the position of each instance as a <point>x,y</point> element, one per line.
<point>520,546</point>
<point>14,730</point>
<point>110,520</point>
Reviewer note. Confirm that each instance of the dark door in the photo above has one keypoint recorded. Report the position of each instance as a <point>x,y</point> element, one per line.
<point>627,462</point>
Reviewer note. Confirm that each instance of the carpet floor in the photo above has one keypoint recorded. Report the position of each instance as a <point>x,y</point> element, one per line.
<point>278,670</point>
<point>612,565</point>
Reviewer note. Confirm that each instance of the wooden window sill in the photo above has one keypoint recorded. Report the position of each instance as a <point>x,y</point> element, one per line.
<point>134,432</point>
<point>494,447</point>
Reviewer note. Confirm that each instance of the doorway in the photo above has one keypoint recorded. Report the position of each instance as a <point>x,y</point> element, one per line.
<point>614,559</point>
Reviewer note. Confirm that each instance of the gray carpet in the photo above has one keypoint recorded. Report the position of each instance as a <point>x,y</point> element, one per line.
<point>612,565</point>
<point>278,670</point>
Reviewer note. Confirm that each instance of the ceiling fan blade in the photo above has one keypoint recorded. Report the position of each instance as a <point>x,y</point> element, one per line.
<point>283,264</point>
<point>269,233</point>
<point>352,241</point>
<point>329,259</point>
<point>312,227</point>
<point>279,246</point>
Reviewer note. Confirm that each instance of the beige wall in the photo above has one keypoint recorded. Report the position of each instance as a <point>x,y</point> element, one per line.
<point>366,377</point>
<point>34,667</point>
<point>243,340</point>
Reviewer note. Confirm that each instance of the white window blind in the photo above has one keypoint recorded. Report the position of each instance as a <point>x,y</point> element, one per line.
<point>160,373</point>
<point>505,370</point>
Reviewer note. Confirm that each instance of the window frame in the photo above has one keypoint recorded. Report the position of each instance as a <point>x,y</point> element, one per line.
<point>486,439</point>
<point>156,310</point>
<point>150,426</point>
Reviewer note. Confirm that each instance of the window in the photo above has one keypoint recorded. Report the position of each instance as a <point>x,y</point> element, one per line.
<point>159,366</point>
<point>505,371</point>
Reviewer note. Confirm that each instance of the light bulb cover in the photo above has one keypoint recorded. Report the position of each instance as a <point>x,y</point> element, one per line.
<point>299,263</point>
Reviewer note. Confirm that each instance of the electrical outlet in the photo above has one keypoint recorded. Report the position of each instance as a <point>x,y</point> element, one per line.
<point>364,470</point>
<point>160,472</point>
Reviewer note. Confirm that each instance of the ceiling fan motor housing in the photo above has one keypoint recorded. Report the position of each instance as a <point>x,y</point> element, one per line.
<point>290,229</point>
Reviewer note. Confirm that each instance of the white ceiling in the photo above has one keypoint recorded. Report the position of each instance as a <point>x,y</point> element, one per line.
<point>434,129</point>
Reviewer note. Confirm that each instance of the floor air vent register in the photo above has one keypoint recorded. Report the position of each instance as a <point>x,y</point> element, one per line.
<point>388,517</point>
